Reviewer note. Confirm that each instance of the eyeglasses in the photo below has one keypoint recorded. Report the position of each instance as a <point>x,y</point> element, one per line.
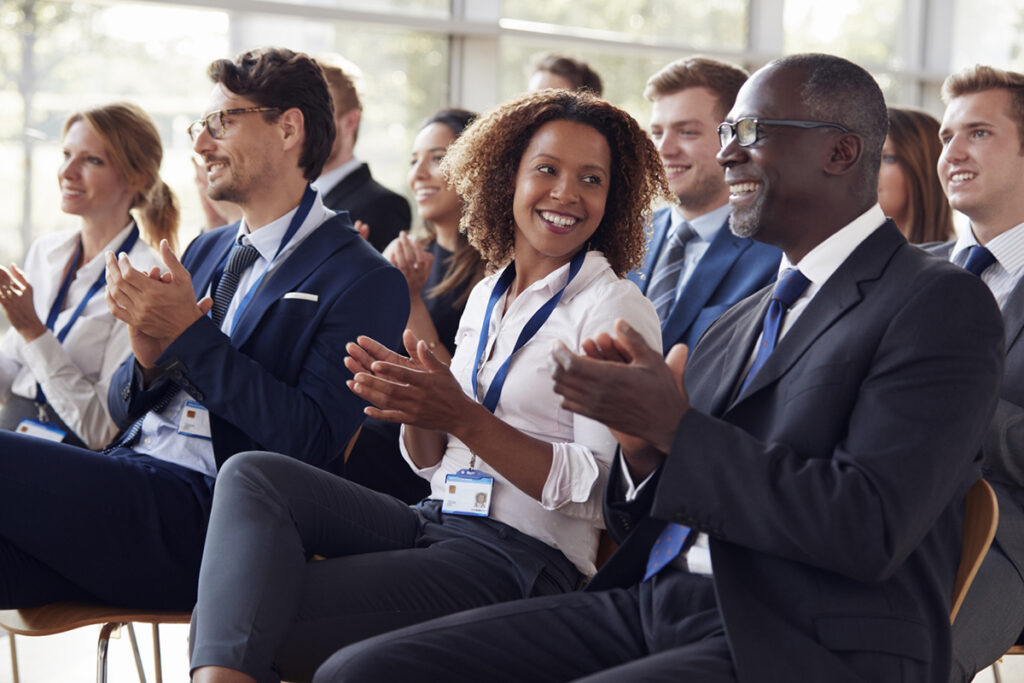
<point>216,122</point>
<point>748,131</point>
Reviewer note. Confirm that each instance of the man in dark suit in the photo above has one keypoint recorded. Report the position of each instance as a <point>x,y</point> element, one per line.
<point>285,290</point>
<point>982,173</point>
<point>794,513</point>
<point>695,268</point>
<point>346,182</point>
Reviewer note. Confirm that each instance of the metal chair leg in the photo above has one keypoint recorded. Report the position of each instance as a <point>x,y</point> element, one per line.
<point>157,660</point>
<point>995,672</point>
<point>101,651</point>
<point>15,675</point>
<point>135,651</point>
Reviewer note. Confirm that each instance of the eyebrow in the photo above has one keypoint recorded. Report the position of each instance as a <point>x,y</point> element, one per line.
<point>554,158</point>
<point>972,125</point>
<point>679,122</point>
<point>433,149</point>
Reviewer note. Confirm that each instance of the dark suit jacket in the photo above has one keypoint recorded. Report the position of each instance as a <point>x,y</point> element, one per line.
<point>732,268</point>
<point>832,488</point>
<point>1003,447</point>
<point>386,212</point>
<point>278,383</point>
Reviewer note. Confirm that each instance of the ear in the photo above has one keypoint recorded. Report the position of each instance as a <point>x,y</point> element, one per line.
<point>844,155</point>
<point>349,121</point>
<point>293,127</point>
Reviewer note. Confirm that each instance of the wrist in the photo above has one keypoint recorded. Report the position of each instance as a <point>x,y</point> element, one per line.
<point>32,332</point>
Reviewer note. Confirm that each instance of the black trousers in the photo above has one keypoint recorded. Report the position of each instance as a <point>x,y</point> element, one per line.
<point>266,609</point>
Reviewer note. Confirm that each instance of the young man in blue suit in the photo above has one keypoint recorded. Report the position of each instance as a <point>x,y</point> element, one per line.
<point>239,346</point>
<point>982,172</point>
<point>695,268</point>
<point>790,508</point>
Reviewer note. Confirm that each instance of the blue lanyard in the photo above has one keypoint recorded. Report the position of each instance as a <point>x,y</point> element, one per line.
<point>62,293</point>
<point>529,330</point>
<point>300,216</point>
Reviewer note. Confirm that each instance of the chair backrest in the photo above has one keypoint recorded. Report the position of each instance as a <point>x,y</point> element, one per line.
<point>981,515</point>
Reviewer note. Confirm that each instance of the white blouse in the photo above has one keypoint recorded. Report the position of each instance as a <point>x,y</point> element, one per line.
<point>568,516</point>
<point>74,375</point>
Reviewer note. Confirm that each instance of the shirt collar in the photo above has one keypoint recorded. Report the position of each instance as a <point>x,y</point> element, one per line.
<point>707,225</point>
<point>1007,247</point>
<point>820,263</point>
<point>327,180</point>
<point>268,238</point>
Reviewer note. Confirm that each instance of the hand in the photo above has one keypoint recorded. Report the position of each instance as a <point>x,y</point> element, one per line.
<point>629,387</point>
<point>157,308</point>
<point>409,256</point>
<point>16,301</point>
<point>363,229</point>
<point>418,391</point>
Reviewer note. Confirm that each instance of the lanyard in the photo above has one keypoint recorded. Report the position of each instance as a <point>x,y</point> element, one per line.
<point>300,216</point>
<point>529,330</point>
<point>62,293</point>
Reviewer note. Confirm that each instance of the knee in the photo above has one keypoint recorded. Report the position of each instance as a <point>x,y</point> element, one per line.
<point>251,473</point>
<point>353,663</point>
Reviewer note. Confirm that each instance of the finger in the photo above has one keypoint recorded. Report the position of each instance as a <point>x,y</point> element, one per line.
<point>20,276</point>
<point>117,310</point>
<point>170,260</point>
<point>375,351</point>
<point>427,358</point>
<point>363,229</point>
<point>354,366</point>
<point>408,252</point>
<point>633,344</point>
<point>676,361</point>
<point>205,304</point>
<point>381,393</point>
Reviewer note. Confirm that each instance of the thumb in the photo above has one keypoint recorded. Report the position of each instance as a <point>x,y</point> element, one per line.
<point>427,358</point>
<point>676,361</point>
<point>205,304</point>
<point>631,340</point>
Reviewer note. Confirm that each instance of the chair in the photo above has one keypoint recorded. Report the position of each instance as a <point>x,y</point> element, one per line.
<point>981,515</point>
<point>59,617</point>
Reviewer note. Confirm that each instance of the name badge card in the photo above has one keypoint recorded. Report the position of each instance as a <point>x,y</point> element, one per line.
<point>195,421</point>
<point>41,430</point>
<point>467,492</point>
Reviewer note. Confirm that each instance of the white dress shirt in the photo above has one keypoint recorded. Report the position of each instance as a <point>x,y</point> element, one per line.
<point>159,436</point>
<point>818,265</point>
<point>568,516</point>
<point>329,179</point>
<point>1008,248</point>
<point>74,375</point>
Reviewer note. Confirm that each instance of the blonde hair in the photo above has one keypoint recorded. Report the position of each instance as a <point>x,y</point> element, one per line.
<point>133,146</point>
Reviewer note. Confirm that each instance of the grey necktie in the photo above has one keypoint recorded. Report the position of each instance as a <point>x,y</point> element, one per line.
<point>665,277</point>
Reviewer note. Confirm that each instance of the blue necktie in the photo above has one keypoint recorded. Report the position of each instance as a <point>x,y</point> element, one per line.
<point>788,289</point>
<point>978,259</point>
<point>665,277</point>
<point>666,548</point>
<point>242,256</point>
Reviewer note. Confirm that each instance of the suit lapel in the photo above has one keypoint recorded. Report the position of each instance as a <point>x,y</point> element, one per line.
<point>348,185</point>
<point>712,268</point>
<point>840,293</point>
<point>307,257</point>
<point>1013,314</point>
<point>737,351</point>
<point>661,222</point>
<point>209,265</point>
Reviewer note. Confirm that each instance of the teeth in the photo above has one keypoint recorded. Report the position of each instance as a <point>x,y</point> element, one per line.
<point>558,219</point>
<point>213,166</point>
<point>672,169</point>
<point>963,175</point>
<point>423,194</point>
<point>743,188</point>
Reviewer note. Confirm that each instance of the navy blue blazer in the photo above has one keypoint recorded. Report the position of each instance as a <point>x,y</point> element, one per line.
<point>832,487</point>
<point>278,382</point>
<point>731,269</point>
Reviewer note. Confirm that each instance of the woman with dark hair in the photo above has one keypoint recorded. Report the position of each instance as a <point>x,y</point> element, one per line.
<point>908,182</point>
<point>557,188</point>
<point>441,268</point>
<point>57,359</point>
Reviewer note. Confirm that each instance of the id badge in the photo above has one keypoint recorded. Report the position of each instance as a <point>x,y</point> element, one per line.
<point>195,421</point>
<point>467,492</point>
<point>41,430</point>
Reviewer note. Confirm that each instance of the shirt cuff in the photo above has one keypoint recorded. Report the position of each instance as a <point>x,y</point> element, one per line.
<point>632,490</point>
<point>573,473</point>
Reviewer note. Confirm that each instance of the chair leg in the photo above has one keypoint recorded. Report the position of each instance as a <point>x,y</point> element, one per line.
<point>135,651</point>
<point>157,660</point>
<point>15,675</point>
<point>995,672</point>
<point>101,651</point>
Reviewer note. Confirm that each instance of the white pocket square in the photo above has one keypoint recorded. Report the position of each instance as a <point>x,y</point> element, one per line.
<point>301,295</point>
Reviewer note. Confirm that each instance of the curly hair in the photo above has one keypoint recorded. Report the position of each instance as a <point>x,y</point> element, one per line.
<point>483,163</point>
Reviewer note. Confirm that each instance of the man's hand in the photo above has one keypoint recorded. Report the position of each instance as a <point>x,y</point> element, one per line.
<point>157,308</point>
<point>626,385</point>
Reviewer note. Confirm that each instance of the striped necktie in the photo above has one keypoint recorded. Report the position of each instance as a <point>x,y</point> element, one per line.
<point>665,280</point>
<point>242,257</point>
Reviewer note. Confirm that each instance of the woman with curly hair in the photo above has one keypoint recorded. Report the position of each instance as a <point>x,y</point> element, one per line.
<point>557,188</point>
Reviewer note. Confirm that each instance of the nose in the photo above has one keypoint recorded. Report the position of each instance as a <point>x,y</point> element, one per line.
<point>667,145</point>
<point>204,142</point>
<point>418,170</point>
<point>564,190</point>
<point>70,168</point>
<point>954,150</point>
<point>731,154</point>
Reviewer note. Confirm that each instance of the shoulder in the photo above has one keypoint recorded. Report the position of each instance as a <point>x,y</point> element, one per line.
<point>603,297</point>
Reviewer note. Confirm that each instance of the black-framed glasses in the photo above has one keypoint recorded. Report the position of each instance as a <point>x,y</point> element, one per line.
<point>747,131</point>
<point>217,123</point>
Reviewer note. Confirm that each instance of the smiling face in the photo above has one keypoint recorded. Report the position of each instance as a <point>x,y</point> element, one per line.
<point>90,186</point>
<point>241,165</point>
<point>893,186</point>
<point>775,184</point>
<point>684,127</point>
<point>981,167</point>
<point>436,200</point>
<point>561,190</point>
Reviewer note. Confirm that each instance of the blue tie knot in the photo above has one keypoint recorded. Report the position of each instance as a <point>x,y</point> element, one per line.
<point>791,285</point>
<point>978,259</point>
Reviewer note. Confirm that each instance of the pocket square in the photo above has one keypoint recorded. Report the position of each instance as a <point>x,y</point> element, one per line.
<point>301,295</point>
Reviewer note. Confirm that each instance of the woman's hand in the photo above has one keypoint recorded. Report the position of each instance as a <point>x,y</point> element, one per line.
<point>16,300</point>
<point>409,256</point>
<point>419,391</point>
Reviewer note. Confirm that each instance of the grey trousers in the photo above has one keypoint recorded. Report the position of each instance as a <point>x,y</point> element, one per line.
<point>267,609</point>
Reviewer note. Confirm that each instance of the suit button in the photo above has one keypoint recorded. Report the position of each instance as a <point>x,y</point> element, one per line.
<point>126,392</point>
